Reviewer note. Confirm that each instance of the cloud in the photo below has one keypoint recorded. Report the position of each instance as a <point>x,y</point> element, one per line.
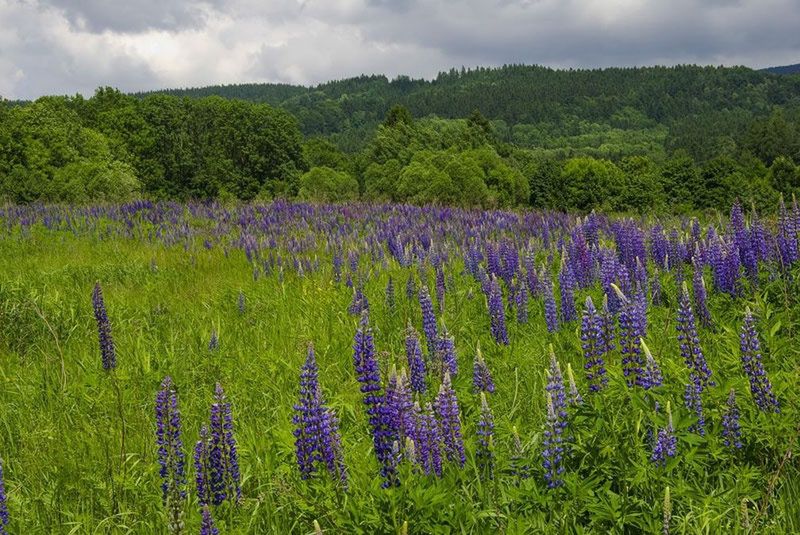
<point>67,46</point>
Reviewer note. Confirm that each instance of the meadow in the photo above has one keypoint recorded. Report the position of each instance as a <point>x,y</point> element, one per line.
<point>611,435</point>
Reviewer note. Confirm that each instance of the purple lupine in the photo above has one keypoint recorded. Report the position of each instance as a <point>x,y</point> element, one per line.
<point>481,377</point>
<point>240,303</point>
<point>390,298</point>
<point>593,347</point>
<point>484,455</point>
<point>566,286</point>
<point>555,388</point>
<point>694,402</point>
<point>449,417</point>
<point>441,288</point>
<point>747,255</point>
<point>416,364</point>
<point>519,462</point>
<point>107,352</point>
<point>398,407</point>
<point>359,302</point>
<point>731,431</point>
<point>553,451</point>
<point>207,526</point>
<point>550,311</point>
<point>427,440</point>
<point>368,374</point>
<point>3,502</point>
<point>700,294</point>
<point>202,467</point>
<point>411,286</point>
<point>760,385</point>
<point>497,313</point>
<point>689,341</point>
<point>428,321</point>
<point>656,293</point>
<point>665,443</point>
<point>213,341</point>
<point>521,302</point>
<point>574,397</point>
<point>651,375</point>
<point>629,336</point>
<point>446,353</point>
<point>223,457</point>
<point>171,458</point>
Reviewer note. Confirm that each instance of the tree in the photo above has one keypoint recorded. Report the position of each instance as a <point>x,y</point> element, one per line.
<point>328,185</point>
<point>592,184</point>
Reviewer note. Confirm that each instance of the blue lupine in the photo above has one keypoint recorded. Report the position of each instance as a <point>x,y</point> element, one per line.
<point>694,402</point>
<point>427,440</point>
<point>428,321</point>
<point>3,502</point>
<point>108,353</point>
<point>449,417</point>
<point>240,304</point>
<point>202,467</point>
<point>411,286</point>
<point>223,457</point>
<point>441,288</point>
<point>359,303</point>
<point>760,385</point>
<point>446,351</point>
<point>550,311</point>
<point>171,457</point>
<point>700,294</point>
<point>593,347</point>
<point>731,431</point>
<point>416,363</point>
<point>207,526</point>
<point>481,377</point>
<point>665,443</point>
<point>555,387</point>
<point>398,407</point>
<point>497,313</point>
<point>629,336</point>
<point>566,286</point>
<point>747,255</point>
<point>484,454</point>
<point>553,451</point>
<point>521,302</point>
<point>213,341</point>
<point>651,375</point>
<point>689,341</point>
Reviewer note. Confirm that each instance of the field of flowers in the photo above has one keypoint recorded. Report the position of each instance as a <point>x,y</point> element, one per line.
<point>296,368</point>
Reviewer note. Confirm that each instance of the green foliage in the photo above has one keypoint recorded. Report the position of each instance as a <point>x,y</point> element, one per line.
<point>326,184</point>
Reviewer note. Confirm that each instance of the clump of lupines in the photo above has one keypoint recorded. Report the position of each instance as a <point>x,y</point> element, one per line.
<point>416,363</point>
<point>368,374</point>
<point>447,353</point>
<point>760,385</point>
<point>651,375</point>
<point>550,311</point>
<point>107,352</point>
<point>207,526</point>
<point>629,336</point>
<point>689,341</point>
<point>428,321</point>
<point>665,444</point>
<point>171,457</point>
<point>481,377</point>
<point>3,502</point>
<point>485,432</point>
<point>449,417</point>
<point>317,439</point>
<point>731,431</point>
<point>497,313</point>
<point>566,286</point>
<point>593,347</point>
<point>223,456</point>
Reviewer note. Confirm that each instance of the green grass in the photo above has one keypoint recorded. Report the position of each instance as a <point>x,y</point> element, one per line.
<point>78,443</point>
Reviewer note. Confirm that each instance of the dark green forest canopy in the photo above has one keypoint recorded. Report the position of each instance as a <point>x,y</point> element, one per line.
<point>677,138</point>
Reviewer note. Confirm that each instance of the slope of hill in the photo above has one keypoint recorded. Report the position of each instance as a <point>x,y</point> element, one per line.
<point>784,69</point>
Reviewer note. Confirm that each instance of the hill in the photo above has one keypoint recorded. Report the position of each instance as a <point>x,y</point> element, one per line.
<point>784,69</point>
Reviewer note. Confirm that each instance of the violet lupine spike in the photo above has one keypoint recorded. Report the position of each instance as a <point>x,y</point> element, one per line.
<point>108,353</point>
<point>447,353</point>
<point>223,457</point>
<point>750,348</point>
<point>550,311</point>
<point>665,444</point>
<point>428,321</point>
<point>449,417</point>
<point>555,387</point>
<point>629,335</point>
<point>202,467</point>
<point>481,377</point>
<point>411,287</point>
<point>566,286</point>
<point>171,458</point>
<point>416,363</point>
<point>521,302</point>
<point>428,440</point>
<point>497,313</point>
<point>651,375</point>
<point>731,430</point>
<point>484,455</point>
<point>689,342</point>
<point>331,445</point>
<point>694,402</point>
<point>574,396</point>
<point>700,294</point>
<point>553,451</point>
<point>359,302</point>
<point>213,341</point>
<point>747,256</point>
<point>207,526</point>
<point>593,346</point>
<point>4,519</point>
<point>240,303</point>
<point>441,288</point>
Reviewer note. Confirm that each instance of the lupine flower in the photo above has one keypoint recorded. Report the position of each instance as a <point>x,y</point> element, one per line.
<point>731,431</point>
<point>411,286</point>
<point>574,396</point>
<point>497,313</point>
<point>171,457</point>
<point>651,376</point>
<point>566,286</point>
<point>428,321</point>
<point>481,377</point>
<point>213,341</point>
<point>555,387</point>
<point>519,463</point>
<point>656,293</point>
<point>760,385</point>
<point>440,288</point>
<point>359,302</point>
<point>629,335</point>
<point>427,440</point>
<point>553,452</point>
<point>3,502</point>
<point>550,311</point>
<point>447,352</point>
<point>416,364</point>
<point>223,456</point>
<point>485,455</point>
<point>694,402</point>
<point>665,443</point>
<point>202,467</point>
<point>241,303</point>
<point>368,374</point>
<point>691,351</point>
<point>390,299</point>
<point>449,417</point>
<point>593,347</point>
<point>107,351</point>
<point>521,302</point>
<point>398,407</point>
<point>207,524</point>
<point>747,255</point>
<point>700,294</point>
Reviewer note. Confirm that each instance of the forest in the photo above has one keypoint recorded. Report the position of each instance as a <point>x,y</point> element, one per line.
<point>671,139</point>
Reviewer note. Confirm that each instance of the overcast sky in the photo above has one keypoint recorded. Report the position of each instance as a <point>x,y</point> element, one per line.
<point>69,46</point>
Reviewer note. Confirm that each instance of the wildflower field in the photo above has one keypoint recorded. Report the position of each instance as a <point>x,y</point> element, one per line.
<point>297,368</point>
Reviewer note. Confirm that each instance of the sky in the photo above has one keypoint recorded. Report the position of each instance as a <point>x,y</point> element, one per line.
<point>75,46</point>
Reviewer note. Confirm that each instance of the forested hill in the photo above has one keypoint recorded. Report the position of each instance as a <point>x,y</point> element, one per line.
<point>784,69</point>
<point>517,95</point>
